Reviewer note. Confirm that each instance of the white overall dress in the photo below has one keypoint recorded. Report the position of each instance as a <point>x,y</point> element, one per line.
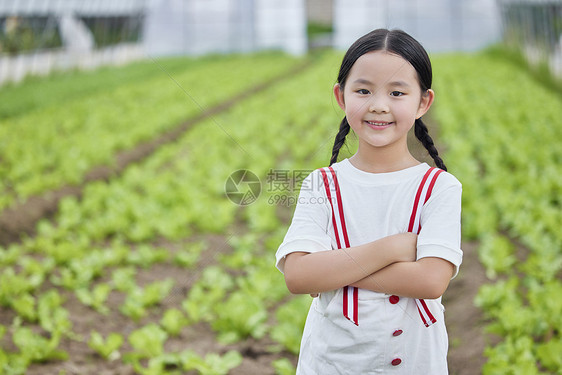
<point>357,332</point>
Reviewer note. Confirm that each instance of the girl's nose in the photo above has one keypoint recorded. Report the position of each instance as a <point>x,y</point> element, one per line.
<point>378,106</point>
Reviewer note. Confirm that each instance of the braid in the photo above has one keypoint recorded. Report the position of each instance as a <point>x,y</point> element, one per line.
<point>340,140</point>
<point>422,134</point>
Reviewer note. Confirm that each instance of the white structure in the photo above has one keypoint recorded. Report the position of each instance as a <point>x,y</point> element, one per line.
<point>196,27</point>
<point>75,34</point>
<point>171,27</point>
<point>281,24</point>
<point>206,26</point>
<point>440,25</point>
<point>78,43</point>
<point>94,7</point>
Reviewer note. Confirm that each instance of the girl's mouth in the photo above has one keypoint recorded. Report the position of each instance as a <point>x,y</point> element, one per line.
<point>379,124</point>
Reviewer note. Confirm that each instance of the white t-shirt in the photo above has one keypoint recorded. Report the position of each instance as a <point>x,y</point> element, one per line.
<point>377,205</point>
<point>390,336</point>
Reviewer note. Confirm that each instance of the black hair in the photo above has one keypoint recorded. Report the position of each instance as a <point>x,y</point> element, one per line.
<point>403,45</point>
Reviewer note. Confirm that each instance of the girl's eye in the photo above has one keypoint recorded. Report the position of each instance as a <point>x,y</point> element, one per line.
<point>363,91</point>
<point>396,93</point>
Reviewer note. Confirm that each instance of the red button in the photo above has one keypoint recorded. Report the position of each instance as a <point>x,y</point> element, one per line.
<point>394,299</point>
<point>398,332</point>
<point>396,362</point>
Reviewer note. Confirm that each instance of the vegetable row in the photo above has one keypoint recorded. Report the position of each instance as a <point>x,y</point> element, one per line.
<point>501,128</point>
<point>57,144</point>
<point>98,246</point>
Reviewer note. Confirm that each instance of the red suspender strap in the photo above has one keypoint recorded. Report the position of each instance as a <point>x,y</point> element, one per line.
<point>329,196</point>
<point>355,305</point>
<point>340,206</point>
<point>415,222</point>
<point>339,213</point>
<point>416,202</point>
<point>424,190</point>
<point>354,290</point>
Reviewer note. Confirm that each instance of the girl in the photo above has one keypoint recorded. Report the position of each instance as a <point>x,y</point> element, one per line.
<point>376,236</point>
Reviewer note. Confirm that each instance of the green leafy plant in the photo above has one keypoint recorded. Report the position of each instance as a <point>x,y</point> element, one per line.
<point>145,256</point>
<point>212,364</point>
<point>139,299</point>
<point>513,356</point>
<point>173,321</point>
<point>12,285</point>
<point>283,366</point>
<point>148,341</point>
<point>549,354</point>
<point>155,292</point>
<point>24,305</point>
<point>290,323</point>
<point>123,279</point>
<point>53,317</point>
<point>108,348</point>
<point>10,255</point>
<point>166,363</point>
<point>241,316</point>
<point>496,254</point>
<point>36,348</point>
<point>133,308</point>
<point>207,293</point>
<point>96,298</point>
<point>190,256</point>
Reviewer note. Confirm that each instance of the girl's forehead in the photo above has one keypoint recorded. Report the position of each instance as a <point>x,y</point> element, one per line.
<point>381,67</point>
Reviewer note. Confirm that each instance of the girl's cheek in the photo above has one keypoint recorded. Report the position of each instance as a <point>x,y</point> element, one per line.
<point>355,111</point>
<point>352,120</point>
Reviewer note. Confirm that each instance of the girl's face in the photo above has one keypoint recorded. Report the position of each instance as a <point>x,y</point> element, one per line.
<point>382,99</point>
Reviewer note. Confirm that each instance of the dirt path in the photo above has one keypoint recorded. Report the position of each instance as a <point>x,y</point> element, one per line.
<point>464,320</point>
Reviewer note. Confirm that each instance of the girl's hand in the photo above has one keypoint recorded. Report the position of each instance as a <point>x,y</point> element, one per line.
<point>310,273</point>
<point>314,295</point>
<point>405,246</point>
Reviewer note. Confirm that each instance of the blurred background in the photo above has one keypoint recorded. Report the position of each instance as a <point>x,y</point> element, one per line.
<point>151,153</point>
<point>37,36</point>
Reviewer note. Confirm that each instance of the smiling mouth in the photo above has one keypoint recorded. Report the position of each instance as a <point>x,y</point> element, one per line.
<point>379,123</point>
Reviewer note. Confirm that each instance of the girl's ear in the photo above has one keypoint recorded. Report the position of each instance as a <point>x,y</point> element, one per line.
<point>425,102</point>
<point>338,93</point>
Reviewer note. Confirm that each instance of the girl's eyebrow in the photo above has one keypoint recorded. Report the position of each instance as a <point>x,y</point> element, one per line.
<point>364,81</point>
<point>399,83</point>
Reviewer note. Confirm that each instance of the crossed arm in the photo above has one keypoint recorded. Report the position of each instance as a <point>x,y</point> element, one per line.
<point>387,265</point>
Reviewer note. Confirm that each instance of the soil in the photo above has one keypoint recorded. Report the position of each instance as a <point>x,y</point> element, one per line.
<point>464,320</point>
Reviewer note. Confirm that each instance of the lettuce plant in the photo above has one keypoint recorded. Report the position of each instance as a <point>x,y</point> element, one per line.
<point>108,348</point>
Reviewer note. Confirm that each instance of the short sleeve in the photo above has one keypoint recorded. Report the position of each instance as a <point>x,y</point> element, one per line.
<point>308,231</point>
<point>440,234</point>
